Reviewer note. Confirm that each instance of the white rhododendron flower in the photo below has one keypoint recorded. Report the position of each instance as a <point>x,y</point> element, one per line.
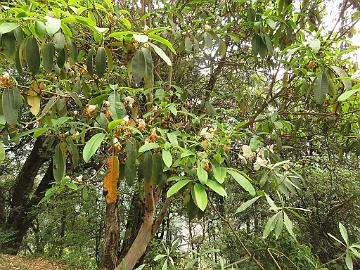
<point>206,134</point>
<point>242,159</point>
<point>129,100</point>
<point>247,152</point>
<point>260,163</point>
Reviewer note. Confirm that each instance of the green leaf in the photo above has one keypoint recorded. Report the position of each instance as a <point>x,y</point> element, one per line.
<point>167,158</point>
<point>52,25</point>
<point>271,203</point>
<point>270,225</point>
<point>176,187</point>
<point>201,173</point>
<point>344,233</point>
<point>48,194</point>
<point>7,27</point>
<point>188,44</point>
<point>342,74</point>
<point>246,204</point>
<point>73,150</point>
<point>40,29</point>
<point>159,257</point>
<point>349,261</point>
<point>100,61</point>
<point>163,41</point>
<point>48,53</point>
<point>59,41</point>
<point>173,109</point>
<point>271,23</point>
<point>125,22</point>
<point>161,53</point>
<point>59,162</point>
<point>346,95</point>
<point>130,163</point>
<point>116,108</point>
<point>219,174</point>
<point>149,67</point>
<point>121,35</point>
<point>113,124</point>
<point>242,181</point>
<point>157,168</point>
<point>70,184</point>
<point>354,251</point>
<point>258,46</point>
<point>164,267</point>
<point>11,103</point>
<point>215,186</point>
<point>289,225</point>
<point>92,146</point>
<point>321,87</point>
<point>279,223</point>
<point>200,196</point>
<point>148,146</point>
<point>138,66</point>
<point>208,40</point>
<point>172,138</point>
<point>2,152</point>
<point>32,55</point>
<point>186,153</point>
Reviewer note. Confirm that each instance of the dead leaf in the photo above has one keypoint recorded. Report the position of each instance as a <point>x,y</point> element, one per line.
<point>111,179</point>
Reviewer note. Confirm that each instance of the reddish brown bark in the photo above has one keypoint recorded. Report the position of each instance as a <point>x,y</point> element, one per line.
<point>109,259</point>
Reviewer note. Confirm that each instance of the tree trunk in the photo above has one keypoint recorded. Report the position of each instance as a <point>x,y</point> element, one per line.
<point>109,260</point>
<point>133,224</point>
<point>19,219</point>
<point>148,228</point>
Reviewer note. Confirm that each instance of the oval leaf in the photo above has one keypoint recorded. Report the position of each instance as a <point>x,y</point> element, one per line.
<point>92,146</point>
<point>219,174</point>
<point>100,61</point>
<point>52,25</point>
<point>289,225</point>
<point>344,233</point>
<point>201,173</point>
<point>346,95</point>
<point>246,204</point>
<point>176,187</point>
<point>242,181</point>
<point>215,186</point>
<point>147,147</point>
<point>59,162</point>
<point>7,27</point>
<point>167,158</point>
<point>32,55</point>
<point>200,196</point>
<point>321,88</point>
<point>161,53</point>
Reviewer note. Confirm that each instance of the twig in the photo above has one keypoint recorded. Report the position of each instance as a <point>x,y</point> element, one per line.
<point>237,262</point>
<point>237,237</point>
<point>274,260</point>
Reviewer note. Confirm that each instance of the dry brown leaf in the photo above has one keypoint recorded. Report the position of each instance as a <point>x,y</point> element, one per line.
<point>34,103</point>
<point>111,179</point>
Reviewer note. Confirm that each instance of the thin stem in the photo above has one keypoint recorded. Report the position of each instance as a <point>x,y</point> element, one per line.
<point>237,237</point>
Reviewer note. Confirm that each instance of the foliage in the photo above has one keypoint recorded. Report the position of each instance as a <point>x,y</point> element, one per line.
<point>236,117</point>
